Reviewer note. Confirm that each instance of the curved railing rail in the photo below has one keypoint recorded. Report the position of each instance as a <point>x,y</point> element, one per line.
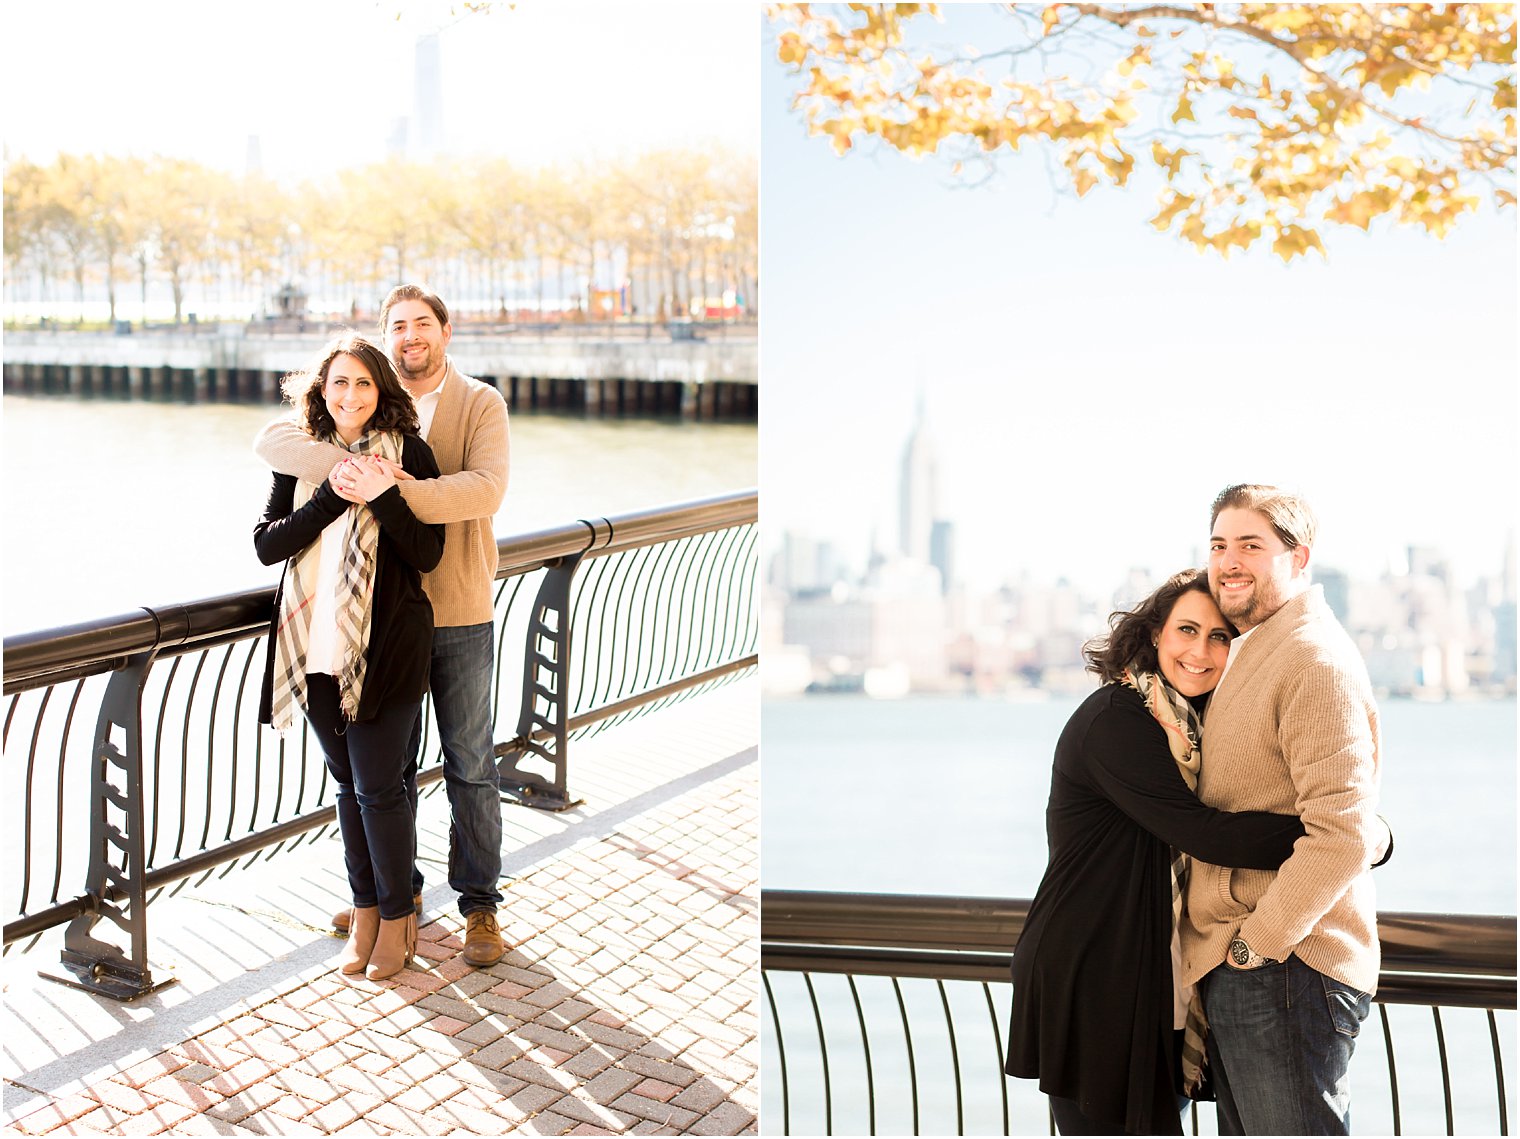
<point>145,723</point>
<point>894,1006</point>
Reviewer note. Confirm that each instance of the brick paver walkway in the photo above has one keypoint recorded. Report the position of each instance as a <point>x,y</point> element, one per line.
<point>626,1004</point>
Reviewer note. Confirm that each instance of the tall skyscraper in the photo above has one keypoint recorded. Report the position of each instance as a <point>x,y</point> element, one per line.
<point>427,98</point>
<point>918,492</point>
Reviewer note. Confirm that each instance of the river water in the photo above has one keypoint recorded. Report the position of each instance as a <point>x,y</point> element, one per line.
<point>111,505</point>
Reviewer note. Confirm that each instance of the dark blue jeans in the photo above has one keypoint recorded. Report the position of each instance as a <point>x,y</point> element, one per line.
<point>463,656</point>
<point>368,761</point>
<point>1280,1043</point>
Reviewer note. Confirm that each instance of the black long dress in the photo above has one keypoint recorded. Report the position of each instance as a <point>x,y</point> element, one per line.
<point>1092,979</point>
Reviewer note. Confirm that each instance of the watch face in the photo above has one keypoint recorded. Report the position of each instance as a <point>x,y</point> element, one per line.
<point>1240,952</point>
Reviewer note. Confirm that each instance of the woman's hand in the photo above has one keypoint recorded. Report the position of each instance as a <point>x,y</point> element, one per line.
<point>369,479</point>
<point>341,480</point>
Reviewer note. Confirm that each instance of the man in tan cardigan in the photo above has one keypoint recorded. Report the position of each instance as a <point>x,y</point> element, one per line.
<point>465,423</point>
<point>1288,959</point>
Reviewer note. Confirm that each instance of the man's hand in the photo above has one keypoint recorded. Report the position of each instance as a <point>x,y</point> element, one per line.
<point>395,471</point>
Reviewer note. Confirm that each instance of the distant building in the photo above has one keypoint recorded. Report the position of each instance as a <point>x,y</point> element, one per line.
<point>427,98</point>
<point>942,551</point>
<point>918,491</point>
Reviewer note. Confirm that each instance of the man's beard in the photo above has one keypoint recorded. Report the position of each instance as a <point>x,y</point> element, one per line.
<point>431,360</point>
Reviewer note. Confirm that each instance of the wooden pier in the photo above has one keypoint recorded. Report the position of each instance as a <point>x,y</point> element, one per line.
<point>714,378</point>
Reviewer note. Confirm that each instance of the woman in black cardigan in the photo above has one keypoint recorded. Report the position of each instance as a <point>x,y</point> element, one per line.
<point>1097,1014</point>
<point>352,632</point>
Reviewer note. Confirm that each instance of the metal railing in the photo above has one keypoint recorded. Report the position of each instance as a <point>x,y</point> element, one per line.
<point>886,1013</point>
<point>134,759</point>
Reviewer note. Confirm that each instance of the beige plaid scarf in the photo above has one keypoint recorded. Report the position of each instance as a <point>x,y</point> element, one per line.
<point>356,583</point>
<point>1184,733</point>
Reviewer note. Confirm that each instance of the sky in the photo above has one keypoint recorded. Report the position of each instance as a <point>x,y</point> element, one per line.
<point>1091,384</point>
<point>321,84</point>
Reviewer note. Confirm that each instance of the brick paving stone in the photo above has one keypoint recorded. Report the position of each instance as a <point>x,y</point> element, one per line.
<point>331,1116</point>
<point>535,1073</point>
<point>419,1067</point>
<point>276,1125</point>
<point>155,1122</point>
<point>498,1056</point>
<point>305,1085</point>
<point>402,1021</point>
<point>505,1006</point>
<point>475,982</point>
<point>589,1062</point>
<point>488,1030</point>
<point>403,1122</point>
<point>656,1090</point>
<point>659,1068</point>
<point>48,1116</point>
<point>540,1033</point>
<point>612,1083</point>
<point>145,1071</point>
<point>462,1011</point>
<point>547,1123</point>
<point>701,1096</point>
<point>584,1110</point>
<point>186,1093</point>
<point>531,1099</point>
<point>612,1037</point>
<point>497,1084</point>
<point>122,1098</point>
<point>395,1048</point>
<point>725,1119</point>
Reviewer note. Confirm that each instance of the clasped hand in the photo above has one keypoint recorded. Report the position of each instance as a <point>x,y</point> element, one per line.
<point>363,478</point>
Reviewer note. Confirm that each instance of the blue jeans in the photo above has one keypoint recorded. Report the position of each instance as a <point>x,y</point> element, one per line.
<point>1280,1043</point>
<point>375,815</point>
<point>463,656</point>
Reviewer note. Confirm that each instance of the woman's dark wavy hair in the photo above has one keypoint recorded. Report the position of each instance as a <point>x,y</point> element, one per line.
<point>394,411</point>
<point>1130,640</point>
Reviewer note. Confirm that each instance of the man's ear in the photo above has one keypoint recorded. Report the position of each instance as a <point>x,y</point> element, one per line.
<point>1300,558</point>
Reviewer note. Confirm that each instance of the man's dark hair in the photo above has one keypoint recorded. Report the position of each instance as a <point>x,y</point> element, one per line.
<point>1290,515</point>
<point>394,410</point>
<point>1131,639</point>
<point>412,293</point>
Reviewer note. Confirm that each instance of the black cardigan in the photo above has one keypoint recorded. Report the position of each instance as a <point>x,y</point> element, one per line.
<point>1092,976</point>
<point>401,621</point>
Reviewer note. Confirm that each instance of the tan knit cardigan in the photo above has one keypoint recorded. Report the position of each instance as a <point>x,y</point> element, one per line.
<point>470,439</point>
<point>1293,729</point>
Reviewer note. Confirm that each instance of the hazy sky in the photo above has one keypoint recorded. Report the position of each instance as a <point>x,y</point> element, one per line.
<point>1092,383</point>
<point>322,83</point>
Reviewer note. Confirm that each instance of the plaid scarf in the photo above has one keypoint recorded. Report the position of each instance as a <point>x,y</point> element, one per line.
<point>356,583</point>
<point>1184,732</point>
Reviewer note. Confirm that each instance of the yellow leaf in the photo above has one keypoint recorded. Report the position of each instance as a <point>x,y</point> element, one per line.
<point>1049,18</point>
<point>1504,197</point>
<point>1084,180</point>
<point>1184,110</point>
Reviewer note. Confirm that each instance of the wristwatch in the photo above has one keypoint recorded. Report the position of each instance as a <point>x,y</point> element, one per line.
<point>1245,957</point>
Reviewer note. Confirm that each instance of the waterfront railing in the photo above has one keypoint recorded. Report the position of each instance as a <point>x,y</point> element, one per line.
<point>134,760</point>
<point>885,1014</point>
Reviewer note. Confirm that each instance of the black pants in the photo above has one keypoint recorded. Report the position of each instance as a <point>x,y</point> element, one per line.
<point>368,761</point>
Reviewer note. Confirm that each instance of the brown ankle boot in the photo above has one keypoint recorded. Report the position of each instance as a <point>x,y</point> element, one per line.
<point>394,945</point>
<point>361,939</point>
<point>341,919</point>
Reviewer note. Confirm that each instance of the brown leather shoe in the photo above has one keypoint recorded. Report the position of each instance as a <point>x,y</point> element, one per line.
<point>482,938</point>
<point>342,919</point>
<point>361,939</point>
<point>394,946</point>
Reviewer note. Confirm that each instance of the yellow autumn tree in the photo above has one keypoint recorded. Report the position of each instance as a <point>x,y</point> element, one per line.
<point>1264,122</point>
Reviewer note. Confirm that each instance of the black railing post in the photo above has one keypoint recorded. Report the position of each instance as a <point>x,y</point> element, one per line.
<point>543,723</point>
<point>116,881</point>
